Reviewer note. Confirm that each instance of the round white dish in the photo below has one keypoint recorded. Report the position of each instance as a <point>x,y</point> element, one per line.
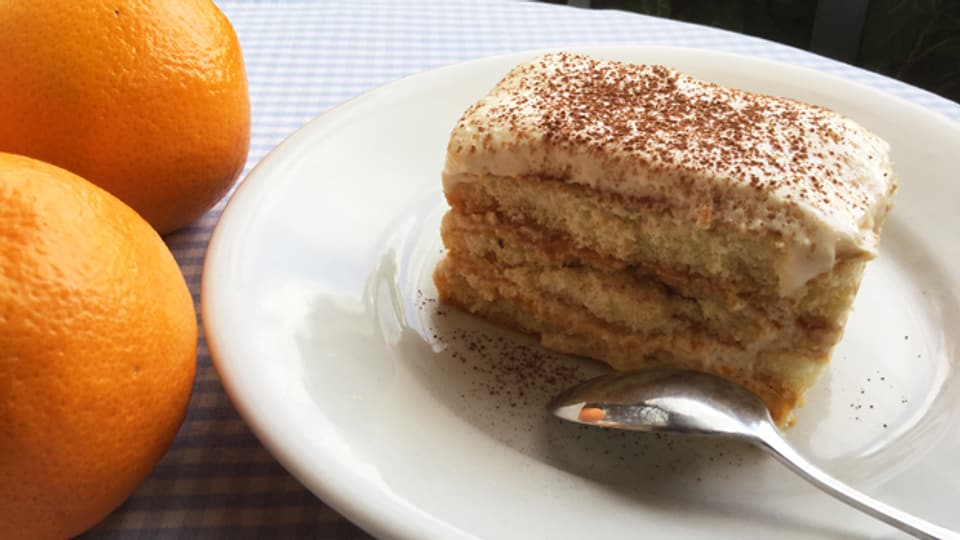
<point>416,421</point>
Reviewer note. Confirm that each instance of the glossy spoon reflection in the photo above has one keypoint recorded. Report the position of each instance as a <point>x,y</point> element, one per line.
<point>696,403</point>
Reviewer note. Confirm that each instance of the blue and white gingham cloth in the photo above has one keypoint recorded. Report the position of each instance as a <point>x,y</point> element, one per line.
<point>303,58</point>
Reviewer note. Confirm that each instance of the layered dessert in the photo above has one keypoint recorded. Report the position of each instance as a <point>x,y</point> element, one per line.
<point>644,218</point>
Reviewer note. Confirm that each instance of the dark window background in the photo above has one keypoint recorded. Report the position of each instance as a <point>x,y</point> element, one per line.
<point>916,41</point>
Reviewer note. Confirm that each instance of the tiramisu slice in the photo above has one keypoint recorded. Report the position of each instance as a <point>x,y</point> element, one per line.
<point>641,217</point>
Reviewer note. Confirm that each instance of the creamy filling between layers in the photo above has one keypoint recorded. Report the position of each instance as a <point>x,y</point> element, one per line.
<point>650,232</point>
<point>653,301</point>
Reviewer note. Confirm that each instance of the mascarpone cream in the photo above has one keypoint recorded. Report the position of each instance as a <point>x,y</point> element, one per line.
<point>759,163</point>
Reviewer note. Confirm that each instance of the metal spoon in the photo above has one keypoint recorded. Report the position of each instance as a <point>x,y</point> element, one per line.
<point>696,403</point>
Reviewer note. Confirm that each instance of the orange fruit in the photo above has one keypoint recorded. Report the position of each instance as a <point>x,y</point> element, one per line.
<point>98,339</point>
<point>145,98</point>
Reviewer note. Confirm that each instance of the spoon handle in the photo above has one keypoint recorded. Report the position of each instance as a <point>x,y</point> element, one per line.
<point>898,518</point>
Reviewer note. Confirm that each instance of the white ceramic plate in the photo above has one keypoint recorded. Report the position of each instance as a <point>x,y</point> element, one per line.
<point>416,421</point>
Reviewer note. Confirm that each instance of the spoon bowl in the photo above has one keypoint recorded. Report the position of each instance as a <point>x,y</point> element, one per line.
<point>663,400</point>
<point>689,402</point>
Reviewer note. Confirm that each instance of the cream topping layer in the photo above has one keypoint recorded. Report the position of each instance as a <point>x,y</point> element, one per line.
<point>819,181</point>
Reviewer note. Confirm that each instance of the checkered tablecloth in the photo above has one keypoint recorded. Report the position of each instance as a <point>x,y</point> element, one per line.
<point>302,58</point>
